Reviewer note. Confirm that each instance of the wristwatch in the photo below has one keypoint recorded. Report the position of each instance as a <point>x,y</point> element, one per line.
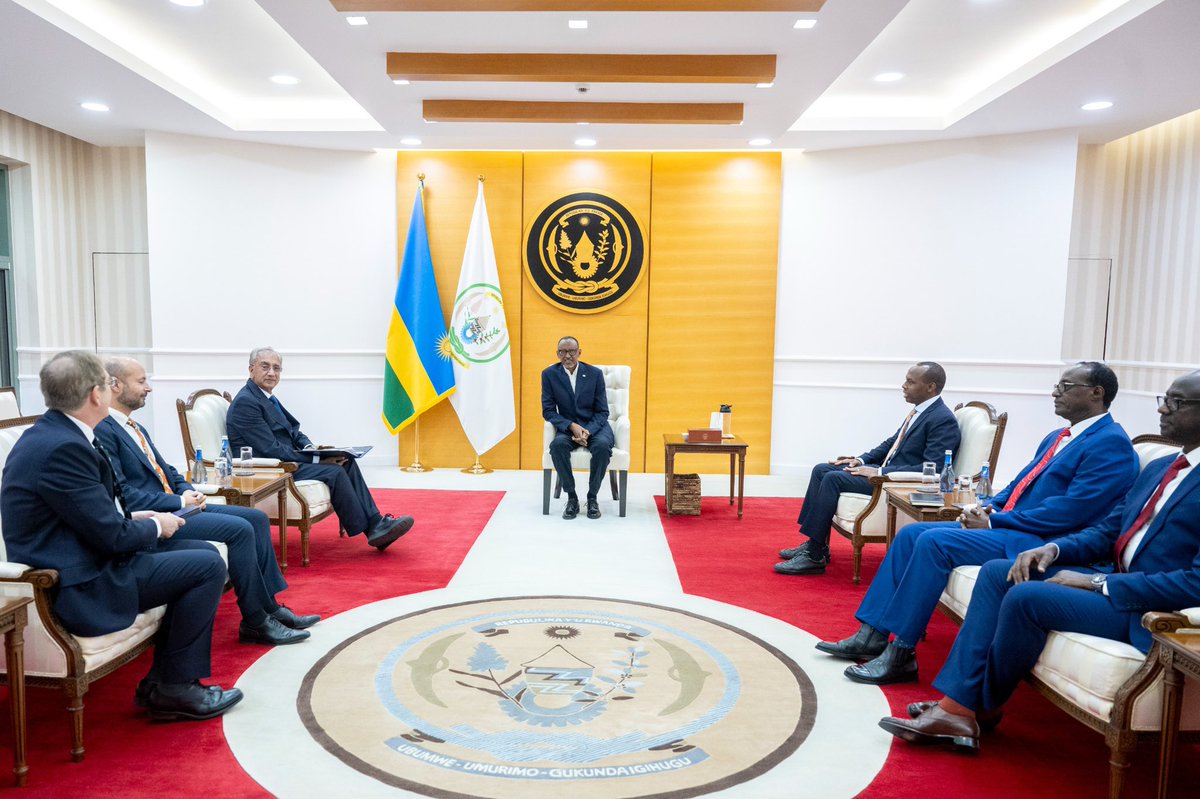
<point>1098,581</point>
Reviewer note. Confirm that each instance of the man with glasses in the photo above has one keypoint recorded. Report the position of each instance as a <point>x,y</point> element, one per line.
<point>257,419</point>
<point>1150,543</point>
<point>1076,476</point>
<point>575,401</point>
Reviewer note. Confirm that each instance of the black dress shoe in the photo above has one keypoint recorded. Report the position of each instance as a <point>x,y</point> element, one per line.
<point>387,530</point>
<point>866,644</point>
<point>190,701</point>
<point>593,511</point>
<point>987,721</point>
<point>288,618</point>
<point>935,726</point>
<point>810,561</point>
<point>141,694</point>
<point>896,664</point>
<point>572,509</point>
<point>791,552</point>
<point>270,632</point>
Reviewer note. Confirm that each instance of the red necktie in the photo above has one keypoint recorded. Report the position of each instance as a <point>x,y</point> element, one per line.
<point>899,437</point>
<point>1035,471</point>
<point>1148,510</point>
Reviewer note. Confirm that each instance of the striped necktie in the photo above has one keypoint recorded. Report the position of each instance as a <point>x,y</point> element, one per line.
<point>1176,467</point>
<point>1035,471</point>
<point>162,477</point>
<point>899,437</point>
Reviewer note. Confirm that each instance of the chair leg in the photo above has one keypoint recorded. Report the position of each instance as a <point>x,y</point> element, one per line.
<point>612,483</point>
<point>304,544</point>
<point>557,486</point>
<point>75,689</point>
<point>1118,767</point>
<point>624,484</point>
<point>858,548</point>
<point>546,491</point>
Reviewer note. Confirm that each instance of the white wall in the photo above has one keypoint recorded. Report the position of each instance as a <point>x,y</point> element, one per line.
<point>950,251</point>
<point>256,245</point>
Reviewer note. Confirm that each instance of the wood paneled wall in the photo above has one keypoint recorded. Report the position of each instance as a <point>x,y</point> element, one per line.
<point>698,331</point>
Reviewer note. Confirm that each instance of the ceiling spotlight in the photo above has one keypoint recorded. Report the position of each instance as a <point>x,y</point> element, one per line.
<point>767,85</point>
<point>585,142</point>
<point>1097,105</point>
<point>759,142</point>
<point>285,80</point>
<point>889,77</point>
<point>400,82</point>
<point>356,21</point>
<point>577,24</point>
<point>91,106</point>
<point>188,3</point>
<point>805,24</point>
<point>411,141</point>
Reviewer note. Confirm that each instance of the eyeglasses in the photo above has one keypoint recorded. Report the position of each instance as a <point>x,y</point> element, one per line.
<point>1172,403</point>
<point>113,382</point>
<point>1063,386</point>
<point>568,352</point>
<point>271,367</point>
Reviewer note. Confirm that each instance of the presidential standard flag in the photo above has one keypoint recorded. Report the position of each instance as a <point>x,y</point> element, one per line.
<point>479,342</point>
<point>418,373</point>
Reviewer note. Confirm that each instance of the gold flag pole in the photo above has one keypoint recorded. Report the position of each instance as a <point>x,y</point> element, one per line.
<point>416,465</point>
<point>476,467</point>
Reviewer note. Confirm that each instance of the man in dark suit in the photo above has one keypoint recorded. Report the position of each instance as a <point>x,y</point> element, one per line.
<point>575,401</point>
<point>1076,476</point>
<point>148,482</point>
<point>926,433</point>
<point>61,510</point>
<point>1151,543</point>
<point>257,419</point>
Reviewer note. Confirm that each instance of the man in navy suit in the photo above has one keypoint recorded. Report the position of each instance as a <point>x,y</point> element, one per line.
<point>575,401</point>
<point>148,482</point>
<point>926,433</point>
<point>1151,543</point>
<point>1076,476</point>
<point>62,510</point>
<point>257,419</point>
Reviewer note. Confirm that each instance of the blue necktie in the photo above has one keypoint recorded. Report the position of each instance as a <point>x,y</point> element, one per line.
<point>278,406</point>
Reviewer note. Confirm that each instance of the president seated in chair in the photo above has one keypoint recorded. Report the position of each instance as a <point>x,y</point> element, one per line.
<point>575,401</point>
<point>257,419</point>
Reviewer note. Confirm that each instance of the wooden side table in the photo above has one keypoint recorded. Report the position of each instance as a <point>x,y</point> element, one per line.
<point>13,618</point>
<point>735,448</point>
<point>897,500</point>
<point>1179,654</point>
<point>249,490</point>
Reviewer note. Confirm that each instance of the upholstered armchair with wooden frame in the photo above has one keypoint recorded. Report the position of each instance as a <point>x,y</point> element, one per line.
<point>54,657</point>
<point>616,386</point>
<point>202,424</point>
<point>9,407</point>
<point>863,519</point>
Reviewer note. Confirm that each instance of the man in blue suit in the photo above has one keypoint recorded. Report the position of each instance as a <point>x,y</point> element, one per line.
<point>926,433</point>
<point>150,483</point>
<point>1077,474</point>
<point>575,401</point>
<point>1151,543</point>
<point>62,510</point>
<point>257,419</point>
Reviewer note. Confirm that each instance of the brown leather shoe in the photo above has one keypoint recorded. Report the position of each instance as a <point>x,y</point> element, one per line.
<point>935,726</point>
<point>986,722</point>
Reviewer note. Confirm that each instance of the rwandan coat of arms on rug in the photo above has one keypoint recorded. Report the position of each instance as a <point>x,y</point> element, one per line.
<point>585,252</point>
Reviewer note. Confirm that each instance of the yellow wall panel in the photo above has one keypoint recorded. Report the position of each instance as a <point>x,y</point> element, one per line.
<point>451,183</point>
<point>715,240</point>
<point>617,336</point>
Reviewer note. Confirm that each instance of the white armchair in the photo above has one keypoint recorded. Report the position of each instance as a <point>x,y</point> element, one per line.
<point>9,408</point>
<point>863,518</point>
<point>616,383</point>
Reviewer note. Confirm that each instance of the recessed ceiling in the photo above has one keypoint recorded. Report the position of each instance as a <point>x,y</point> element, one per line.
<point>970,68</point>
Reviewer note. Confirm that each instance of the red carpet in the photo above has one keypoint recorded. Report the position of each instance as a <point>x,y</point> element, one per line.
<point>1036,747</point>
<point>128,756</point>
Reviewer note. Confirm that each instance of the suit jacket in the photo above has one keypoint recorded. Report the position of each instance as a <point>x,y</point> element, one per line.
<point>1164,573</point>
<point>253,421</point>
<point>58,513</point>
<point>1077,488</point>
<point>142,488</point>
<point>928,438</point>
<point>587,406</point>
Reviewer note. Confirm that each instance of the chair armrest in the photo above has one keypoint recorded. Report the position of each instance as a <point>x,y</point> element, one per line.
<point>548,431</point>
<point>904,477</point>
<point>12,572</point>
<point>38,578</point>
<point>1164,622</point>
<point>1193,616</point>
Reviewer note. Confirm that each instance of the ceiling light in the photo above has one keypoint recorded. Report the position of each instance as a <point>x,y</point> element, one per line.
<point>577,24</point>
<point>188,3</point>
<point>1097,105</point>
<point>889,77</point>
<point>411,141</point>
<point>400,82</point>
<point>759,142</point>
<point>285,80</point>
<point>764,85</point>
<point>356,21</point>
<point>585,142</point>
<point>91,106</point>
<point>805,24</point>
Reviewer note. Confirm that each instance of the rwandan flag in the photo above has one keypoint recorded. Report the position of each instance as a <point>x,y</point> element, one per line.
<point>418,374</point>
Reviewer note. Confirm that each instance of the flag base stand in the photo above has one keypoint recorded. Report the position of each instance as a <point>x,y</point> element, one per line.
<point>476,468</point>
<point>415,466</point>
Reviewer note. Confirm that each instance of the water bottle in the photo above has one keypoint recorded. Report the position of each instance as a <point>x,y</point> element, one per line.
<point>199,473</point>
<point>983,489</point>
<point>226,452</point>
<point>947,484</point>
<point>224,473</point>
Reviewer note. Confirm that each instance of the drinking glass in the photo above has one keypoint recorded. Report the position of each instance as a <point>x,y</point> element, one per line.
<point>929,477</point>
<point>246,461</point>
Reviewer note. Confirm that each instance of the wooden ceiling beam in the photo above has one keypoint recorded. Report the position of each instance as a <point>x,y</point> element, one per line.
<point>600,113</point>
<point>581,68</point>
<point>359,6</point>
